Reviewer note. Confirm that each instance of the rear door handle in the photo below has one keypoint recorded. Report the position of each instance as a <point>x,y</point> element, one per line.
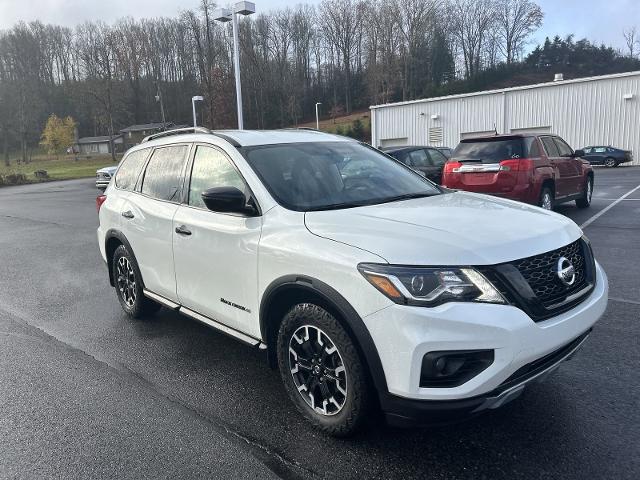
<point>128,214</point>
<point>182,230</point>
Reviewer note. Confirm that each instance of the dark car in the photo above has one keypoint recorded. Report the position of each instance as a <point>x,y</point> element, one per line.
<point>427,160</point>
<point>446,151</point>
<point>538,169</point>
<point>607,156</point>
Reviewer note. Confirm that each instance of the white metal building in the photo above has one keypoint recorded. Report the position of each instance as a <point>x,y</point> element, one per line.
<point>601,110</point>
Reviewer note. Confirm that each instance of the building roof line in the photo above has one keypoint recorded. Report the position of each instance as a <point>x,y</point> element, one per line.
<point>509,89</point>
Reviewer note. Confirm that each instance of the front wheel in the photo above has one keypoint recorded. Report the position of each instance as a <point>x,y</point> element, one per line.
<point>587,193</point>
<point>322,370</point>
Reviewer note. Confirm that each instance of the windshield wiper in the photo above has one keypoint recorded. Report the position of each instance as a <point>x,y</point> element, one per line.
<point>375,201</point>
<point>407,196</point>
<point>337,206</point>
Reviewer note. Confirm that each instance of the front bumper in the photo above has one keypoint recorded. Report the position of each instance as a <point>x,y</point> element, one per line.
<point>403,335</point>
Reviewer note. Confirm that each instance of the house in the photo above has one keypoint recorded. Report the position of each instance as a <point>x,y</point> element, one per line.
<point>602,110</point>
<point>134,134</point>
<point>99,145</point>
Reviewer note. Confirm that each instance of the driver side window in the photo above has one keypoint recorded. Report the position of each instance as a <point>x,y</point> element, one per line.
<point>211,168</point>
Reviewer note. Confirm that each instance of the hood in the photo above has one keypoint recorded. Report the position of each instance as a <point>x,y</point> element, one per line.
<point>451,229</point>
<point>109,170</point>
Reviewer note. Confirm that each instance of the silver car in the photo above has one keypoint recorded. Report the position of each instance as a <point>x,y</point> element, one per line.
<point>103,176</point>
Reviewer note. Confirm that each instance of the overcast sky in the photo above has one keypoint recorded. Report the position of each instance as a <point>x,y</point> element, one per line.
<point>598,20</point>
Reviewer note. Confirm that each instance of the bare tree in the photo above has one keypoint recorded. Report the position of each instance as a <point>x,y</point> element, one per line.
<point>516,21</point>
<point>471,23</point>
<point>632,40</point>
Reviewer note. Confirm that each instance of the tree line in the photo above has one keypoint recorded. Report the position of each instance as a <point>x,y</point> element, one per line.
<point>346,54</point>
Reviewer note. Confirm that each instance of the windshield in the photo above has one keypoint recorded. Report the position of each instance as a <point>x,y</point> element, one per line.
<point>331,175</point>
<point>489,151</point>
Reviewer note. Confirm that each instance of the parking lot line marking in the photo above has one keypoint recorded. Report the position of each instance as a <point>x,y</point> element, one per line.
<point>624,300</point>
<point>607,208</point>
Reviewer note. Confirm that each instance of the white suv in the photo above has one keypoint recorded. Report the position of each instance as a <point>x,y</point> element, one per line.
<point>367,285</point>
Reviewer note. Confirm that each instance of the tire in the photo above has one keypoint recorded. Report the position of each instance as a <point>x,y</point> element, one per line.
<point>304,363</point>
<point>129,289</point>
<point>587,193</point>
<point>610,162</point>
<point>546,199</point>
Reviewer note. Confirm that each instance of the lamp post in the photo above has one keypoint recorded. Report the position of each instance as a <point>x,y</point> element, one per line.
<point>193,104</point>
<point>317,118</point>
<point>226,15</point>
<point>159,99</point>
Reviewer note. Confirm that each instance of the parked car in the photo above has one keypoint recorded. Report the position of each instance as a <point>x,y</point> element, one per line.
<point>366,284</point>
<point>104,175</point>
<point>427,160</point>
<point>607,156</point>
<point>446,151</point>
<point>541,170</point>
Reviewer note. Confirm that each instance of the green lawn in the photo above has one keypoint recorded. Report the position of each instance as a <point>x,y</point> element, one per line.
<point>63,167</point>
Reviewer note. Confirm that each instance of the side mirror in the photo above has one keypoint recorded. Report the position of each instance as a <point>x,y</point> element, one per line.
<point>578,153</point>
<point>227,200</point>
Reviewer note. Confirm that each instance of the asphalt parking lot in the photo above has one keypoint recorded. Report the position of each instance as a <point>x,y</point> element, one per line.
<point>85,392</point>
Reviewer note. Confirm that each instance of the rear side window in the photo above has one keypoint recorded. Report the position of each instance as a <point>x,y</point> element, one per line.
<point>419,158</point>
<point>550,147</point>
<point>130,169</point>
<point>489,150</point>
<point>563,148</point>
<point>437,157</point>
<point>163,177</point>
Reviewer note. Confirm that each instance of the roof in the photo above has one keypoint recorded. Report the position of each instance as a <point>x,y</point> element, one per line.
<point>511,89</point>
<point>248,138</point>
<point>102,139</point>
<point>147,126</point>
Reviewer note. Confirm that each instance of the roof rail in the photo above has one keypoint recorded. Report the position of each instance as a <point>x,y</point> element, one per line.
<point>177,131</point>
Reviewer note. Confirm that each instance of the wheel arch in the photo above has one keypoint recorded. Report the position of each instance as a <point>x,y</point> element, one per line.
<point>113,239</point>
<point>286,291</point>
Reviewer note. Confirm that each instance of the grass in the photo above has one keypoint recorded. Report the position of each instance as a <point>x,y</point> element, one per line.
<point>62,167</point>
<point>329,126</point>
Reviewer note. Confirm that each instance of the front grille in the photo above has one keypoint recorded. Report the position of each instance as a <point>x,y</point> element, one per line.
<point>533,285</point>
<point>541,275</point>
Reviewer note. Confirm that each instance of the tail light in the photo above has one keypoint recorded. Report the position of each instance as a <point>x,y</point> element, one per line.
<point>449,167</point>
<point>99,201</point>
<point>517,165</point>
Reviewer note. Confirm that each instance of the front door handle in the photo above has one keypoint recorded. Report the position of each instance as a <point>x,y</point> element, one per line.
<point>128,214</point>
<point>182,230</point>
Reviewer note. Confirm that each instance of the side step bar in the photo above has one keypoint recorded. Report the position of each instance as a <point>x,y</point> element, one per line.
<point>254,342</point>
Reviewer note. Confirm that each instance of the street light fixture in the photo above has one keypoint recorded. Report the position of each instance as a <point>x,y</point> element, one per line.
<point>317,118</point>
<point>226,15</point>
<point>193,104</point>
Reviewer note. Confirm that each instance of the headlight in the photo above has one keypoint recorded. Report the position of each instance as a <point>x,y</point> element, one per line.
<point>430,286</point>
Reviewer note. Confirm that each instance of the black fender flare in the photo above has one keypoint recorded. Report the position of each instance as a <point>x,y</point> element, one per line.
<point>347,314</point>
<point>117,234</point>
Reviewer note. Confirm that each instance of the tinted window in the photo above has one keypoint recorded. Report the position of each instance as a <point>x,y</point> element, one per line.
<point>419,158</point>
<point>600,149</point>
<point>533,147</point>
<point>437,158</point>
<point>489,150</point>
<point>163,176</point>
<point>564,149</point>
<point>130,169</point>
<point>321,176</point>
<point>211,168</point>
<point>550,147</point>
<point>587,151</point>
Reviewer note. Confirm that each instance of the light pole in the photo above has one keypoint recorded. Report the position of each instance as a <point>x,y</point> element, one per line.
<point>193,104</point>
<point>226,15</point>
<point>317,118</point>
<point>159,99</point>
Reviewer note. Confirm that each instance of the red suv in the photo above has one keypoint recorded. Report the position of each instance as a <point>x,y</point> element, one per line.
<point>538,169</point>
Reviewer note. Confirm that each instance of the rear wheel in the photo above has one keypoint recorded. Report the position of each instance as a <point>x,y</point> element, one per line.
<point>128,283</point>
<point>322,370</point>
<point>610,162</point>
<point>587,193</point>
<point>546,198</point>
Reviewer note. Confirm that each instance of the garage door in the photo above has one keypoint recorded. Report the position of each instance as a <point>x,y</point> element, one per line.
<point>481,133</point>
<point>535,130</point>
<point>393,142</point>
